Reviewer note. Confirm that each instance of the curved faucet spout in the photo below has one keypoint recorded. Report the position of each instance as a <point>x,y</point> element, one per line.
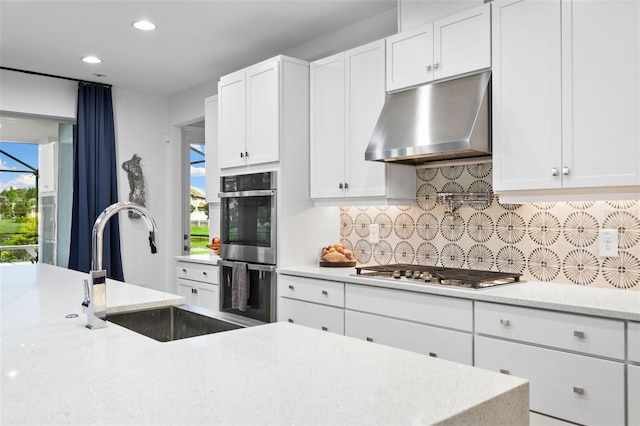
<point>101,222</point>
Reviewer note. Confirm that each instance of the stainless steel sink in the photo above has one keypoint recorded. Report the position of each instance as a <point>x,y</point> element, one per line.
<point>172,322</point>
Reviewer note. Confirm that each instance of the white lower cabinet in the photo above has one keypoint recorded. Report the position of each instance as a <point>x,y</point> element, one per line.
<point>433,325</point>
<point>198,284</point>
<point>311,302</point>
<point>433,341</point>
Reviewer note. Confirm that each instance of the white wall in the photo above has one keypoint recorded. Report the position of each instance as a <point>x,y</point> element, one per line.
<point>37,95</point>
<point>414,13</point>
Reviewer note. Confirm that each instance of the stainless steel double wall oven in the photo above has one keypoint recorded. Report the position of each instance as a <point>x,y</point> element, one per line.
<point>248,235</point>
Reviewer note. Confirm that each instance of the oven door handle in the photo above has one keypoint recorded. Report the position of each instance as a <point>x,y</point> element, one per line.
<point>256,193</point>
<point>250,266</point>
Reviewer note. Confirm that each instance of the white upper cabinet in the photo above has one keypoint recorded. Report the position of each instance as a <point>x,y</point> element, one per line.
<point>249,115</point>
<point>347,95</point>
<point>453,45</point>
<point>566,98</point>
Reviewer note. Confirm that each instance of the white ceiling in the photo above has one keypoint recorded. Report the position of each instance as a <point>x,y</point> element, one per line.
<point>195,41</point>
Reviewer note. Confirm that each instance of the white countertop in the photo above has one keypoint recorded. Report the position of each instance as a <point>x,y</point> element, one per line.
<point>55,371</point>
<point>619,304</point>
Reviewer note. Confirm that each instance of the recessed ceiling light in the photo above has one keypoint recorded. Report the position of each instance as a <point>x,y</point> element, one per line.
<point>91,60</point>
<point>144,25</point>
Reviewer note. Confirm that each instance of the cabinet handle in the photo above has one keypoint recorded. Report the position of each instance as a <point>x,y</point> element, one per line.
<point>503,371</point>
<point>325,293</point>
<point>204,273</point>
<point>246,154</point>
<point>340,185</point>
<point>554,171</point>
<point>369,339</point>
<point>436,66</point>
<point>241,155</point>
<point>505,322</point>
<point>433,354</point>
<point>325,329</point>
<point>291,287</point>
<point>290,320</point>
<point>578,390</point>
<point>579,334</point>
<point>565,171</point>
<point>346,185</point>
<point>428,67</point>
<point>184,270</point>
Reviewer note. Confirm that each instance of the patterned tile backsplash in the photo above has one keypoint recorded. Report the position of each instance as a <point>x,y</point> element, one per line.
<point>555,241</point>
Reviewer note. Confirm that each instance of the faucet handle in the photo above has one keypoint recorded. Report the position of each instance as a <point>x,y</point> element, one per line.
<point>87,298</point>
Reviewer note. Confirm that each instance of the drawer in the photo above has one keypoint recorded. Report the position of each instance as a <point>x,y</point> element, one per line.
<point>433,341</point>
<point>311,290</point>
<point>633,351</point>
<point>580,333</point>
<point>572,387</point>
<point>633,394</point>
<point>198,272</point>
<point>424,308</point>
<point>326,318</point>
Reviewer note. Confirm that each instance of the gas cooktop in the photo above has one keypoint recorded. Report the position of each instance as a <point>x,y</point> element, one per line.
<point>466,278</point>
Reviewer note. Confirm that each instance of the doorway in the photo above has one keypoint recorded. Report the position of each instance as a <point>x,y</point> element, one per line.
<point>195,209</point>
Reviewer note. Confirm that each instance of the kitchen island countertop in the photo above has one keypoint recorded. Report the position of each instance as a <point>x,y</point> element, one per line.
<point>609,303</point>
<point>55,371</point>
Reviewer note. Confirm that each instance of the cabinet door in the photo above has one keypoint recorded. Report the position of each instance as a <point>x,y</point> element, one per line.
<point>365,91</point>
<point>208,296</point>
<point>188,290</point>
<point>462,42</point>
<point>527,127</point>
<point>601,93</point>
<point>231,120</point>
<point>410,58</point>
<point>433,341</point>
<point>327,127</point>
<point>211,142</point>
<point>572,387</point>
<point>263,112</point>
<point>326,318</point>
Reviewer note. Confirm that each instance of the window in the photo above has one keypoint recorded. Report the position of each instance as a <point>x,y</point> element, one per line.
<point>196,211</point>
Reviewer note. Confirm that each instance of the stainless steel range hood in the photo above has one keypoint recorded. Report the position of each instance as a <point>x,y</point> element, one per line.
<point>439,121</point>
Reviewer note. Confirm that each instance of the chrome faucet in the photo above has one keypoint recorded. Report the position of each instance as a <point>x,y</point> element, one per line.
<point>96,288</point>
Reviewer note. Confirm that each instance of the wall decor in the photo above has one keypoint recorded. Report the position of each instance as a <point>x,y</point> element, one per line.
<point>136,183</point>
<point>546,242</point>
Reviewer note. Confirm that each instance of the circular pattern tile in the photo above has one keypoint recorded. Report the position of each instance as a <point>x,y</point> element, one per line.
<point>510,227</point>
<point>580,267</point>
<point>427,197</point>
<point>581,205</point>
<point>544,264</point>
<point>544,206</point>
<point>544,228</point>
<point>427,226</point>
<point>480,186</point>
<point>452,228</point>
<point>480,257</point>
<point>382,253</point>
<point>385,224</point>
<point>622,271</point>
<point>361,225</point>
<point>452,256</point>
<point>404,252</point>
<point>628,227</point>
<point>510,259</point>
<point>427,254</point>
<point>427,175</point>
<point>346,225</point>
<point>363,251</point>
<point>480,171</point>
<point>508,206</point>
<point>480,227</point>
<point>404,226</point>
<point>581,229</point>
<point>622,204</point>
<point>452,172</point>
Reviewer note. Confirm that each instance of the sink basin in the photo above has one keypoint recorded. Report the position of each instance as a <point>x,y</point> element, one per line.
<point>171,323</point>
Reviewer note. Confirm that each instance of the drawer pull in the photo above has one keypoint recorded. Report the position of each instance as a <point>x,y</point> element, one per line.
<point>503,371</point>
<point>579,334</point>
<point>184,270</point>
<point>325,329</point>
<point>433,354</point>
<point>578,390</point>
<point>369,339</point>
<point>204,273</point>
<point>325,293</point>
<point>291,287</point>
<point>505,322</point>
<point>290,320</point>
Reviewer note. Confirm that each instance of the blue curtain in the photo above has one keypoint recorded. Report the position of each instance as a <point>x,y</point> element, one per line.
<point>94,180</point>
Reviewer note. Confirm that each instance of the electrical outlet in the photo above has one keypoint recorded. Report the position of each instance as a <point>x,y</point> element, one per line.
<point>609,242</point>
<point>374,233</point>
